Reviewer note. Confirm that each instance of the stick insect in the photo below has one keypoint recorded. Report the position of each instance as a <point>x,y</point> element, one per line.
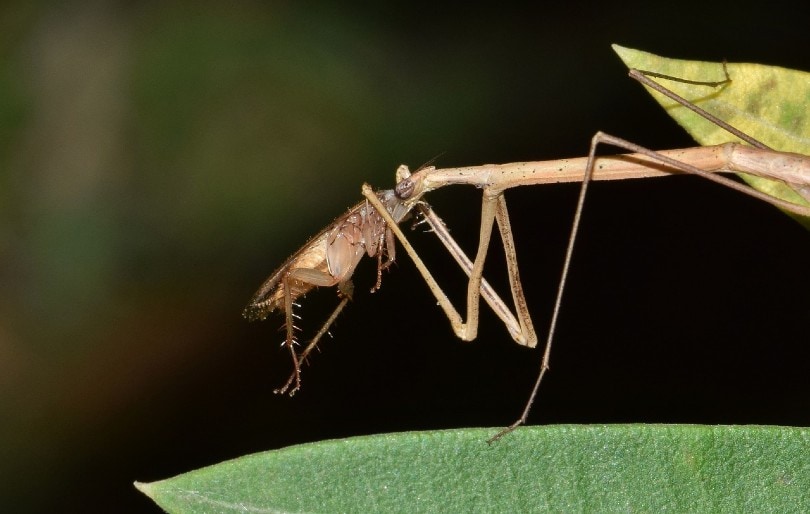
<point>793,169</point>
<point>369,228</point>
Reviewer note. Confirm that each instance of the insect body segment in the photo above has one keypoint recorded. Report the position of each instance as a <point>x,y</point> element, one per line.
<point>328,259</point>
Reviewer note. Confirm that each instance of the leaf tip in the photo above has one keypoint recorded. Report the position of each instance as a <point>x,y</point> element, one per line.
<point>144,487</point>
<point>625,54</point>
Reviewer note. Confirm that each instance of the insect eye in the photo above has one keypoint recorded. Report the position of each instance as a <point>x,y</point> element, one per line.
<point>404,189</point>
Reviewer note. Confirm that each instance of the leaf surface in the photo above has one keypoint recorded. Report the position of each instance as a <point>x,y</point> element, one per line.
<point>769,103</point>
<point>649,468</point>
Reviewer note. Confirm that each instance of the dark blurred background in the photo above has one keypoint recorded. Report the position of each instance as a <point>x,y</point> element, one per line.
<point>159,160</point>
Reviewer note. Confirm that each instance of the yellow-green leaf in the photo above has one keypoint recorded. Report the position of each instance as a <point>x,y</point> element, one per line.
<point>768,103</point>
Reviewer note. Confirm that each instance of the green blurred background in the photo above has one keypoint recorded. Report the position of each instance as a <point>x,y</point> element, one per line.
<point>158,160</point>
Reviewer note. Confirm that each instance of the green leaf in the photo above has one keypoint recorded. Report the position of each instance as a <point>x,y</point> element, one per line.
<point>650,468</point>
<point>768,103</point>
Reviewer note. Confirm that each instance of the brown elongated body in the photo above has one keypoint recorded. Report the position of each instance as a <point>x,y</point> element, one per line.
<point>331,256</point>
